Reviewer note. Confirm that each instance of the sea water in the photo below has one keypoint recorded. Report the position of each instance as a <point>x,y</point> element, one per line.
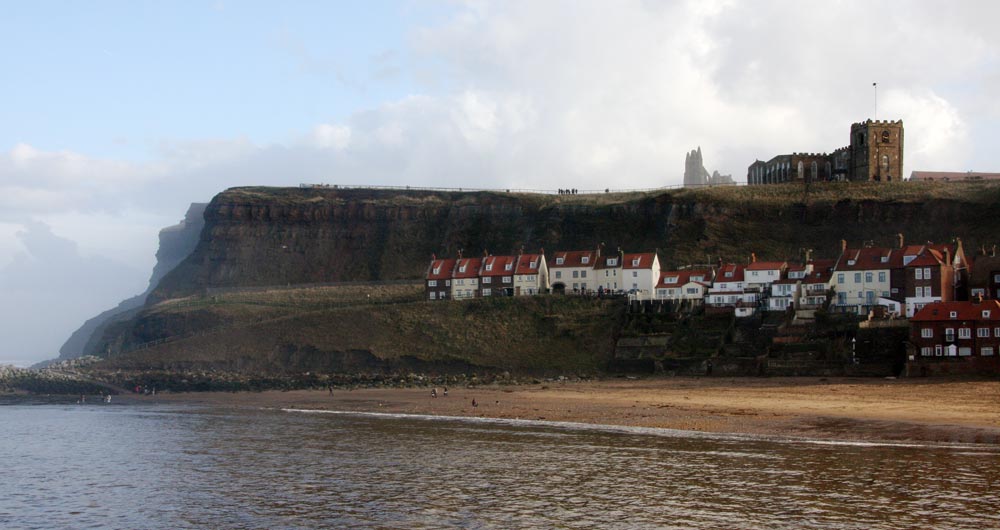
<point>183,466</point>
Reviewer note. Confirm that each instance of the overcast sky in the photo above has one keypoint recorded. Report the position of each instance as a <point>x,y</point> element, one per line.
<point>117,115</point>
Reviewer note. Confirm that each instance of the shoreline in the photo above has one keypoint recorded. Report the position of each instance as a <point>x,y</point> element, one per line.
<point>837,409</point>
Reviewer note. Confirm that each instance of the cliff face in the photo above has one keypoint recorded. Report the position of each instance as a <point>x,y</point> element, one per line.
<point>262,236</point>
<point>176,243</point>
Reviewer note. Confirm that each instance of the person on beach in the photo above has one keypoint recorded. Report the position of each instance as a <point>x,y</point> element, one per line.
<point>474,404</point>
<point>434,392</point>
<point>445,391</point>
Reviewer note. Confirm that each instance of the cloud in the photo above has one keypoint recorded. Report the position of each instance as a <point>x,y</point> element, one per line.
<point>49,289</point>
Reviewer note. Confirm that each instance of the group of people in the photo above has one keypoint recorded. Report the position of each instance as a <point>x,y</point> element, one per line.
<point>434,392</point>
<point>572,191</point>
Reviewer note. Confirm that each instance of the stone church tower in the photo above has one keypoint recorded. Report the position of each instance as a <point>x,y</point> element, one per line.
<point>695,173</point>
<point>876,151</point>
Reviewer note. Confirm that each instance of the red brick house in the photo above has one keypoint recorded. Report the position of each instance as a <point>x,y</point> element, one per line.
<point>928,276</point>
<point>465,279</point>
<point>496,277</point>
<point>957,332</point>
<point>437,283</point>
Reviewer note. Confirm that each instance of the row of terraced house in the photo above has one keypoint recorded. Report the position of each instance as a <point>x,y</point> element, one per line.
<point>950,298</point>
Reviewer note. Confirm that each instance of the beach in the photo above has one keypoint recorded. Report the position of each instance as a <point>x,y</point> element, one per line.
<point>923,410</point>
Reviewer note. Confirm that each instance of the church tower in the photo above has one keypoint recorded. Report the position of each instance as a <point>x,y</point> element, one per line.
<point>876,151</point>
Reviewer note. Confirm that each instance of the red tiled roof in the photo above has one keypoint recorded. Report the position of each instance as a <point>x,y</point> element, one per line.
<point>471,268</point>
<point>869,258</point>
<point>786,281</point>
<point>497,266</point>
<point>767,265</point>
<point>928,258</point>
<point>817,277</point>
<point>941,311</point>
<point>823,265</point>
<point>573,258</point>
<point>683,277</point>
<point>734,268</point>
<point>444,268</point>
<point>796,268</point>
<point>638,261</point>
<point>524,262</point>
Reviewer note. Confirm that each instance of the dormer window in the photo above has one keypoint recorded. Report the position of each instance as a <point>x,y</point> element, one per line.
<point>851,262</point>
<point>533,265</point>
<point>986,313</point>
<point>612,262</point>
<point>671,279</point>
<point>585,260</point>
<point>729,275</point>
<point>635,262</point>
<point>953,314</point>
<point>559,261</point>
<point>697,278</point>
<point>489,266</point>
<point>508,266</point>
<point>461,268</point>
<point>885,259</point>
<point>437,270</point>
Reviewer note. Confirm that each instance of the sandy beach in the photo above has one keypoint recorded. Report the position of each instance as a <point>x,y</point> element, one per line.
<point>834,408</point>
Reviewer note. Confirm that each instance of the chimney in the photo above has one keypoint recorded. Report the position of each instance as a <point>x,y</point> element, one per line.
<point>993,253</point>
<point>520,251</point>
<point>809,252</point>
<point>720,262</point>
<point>982,250</point>
<point>843,246</point>
<point>434,257</point>
<point>979,298</point>
<point>899,239</point>
<point>599,250</point>
<point>947,256</point>
<point>459,253</point>
<point>958,248</point>
<point>753,257</point>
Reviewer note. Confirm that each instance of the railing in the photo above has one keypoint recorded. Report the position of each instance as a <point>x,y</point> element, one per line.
<point>567,191</point>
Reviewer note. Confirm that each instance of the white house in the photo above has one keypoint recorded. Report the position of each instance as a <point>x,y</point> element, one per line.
<point>812,294</point>
<point>729,290</point>
<point>784,293</point>
<point>608,272</point>
<point>684,285</point>
<point>862,276</point>
<point>465,278</point>
<point>640,274</point>
<point>761,274</point>
<point>573,271</point>
<point>531,275</point>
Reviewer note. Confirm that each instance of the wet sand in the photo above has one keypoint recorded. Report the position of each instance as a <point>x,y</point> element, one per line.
<point>835,408</point>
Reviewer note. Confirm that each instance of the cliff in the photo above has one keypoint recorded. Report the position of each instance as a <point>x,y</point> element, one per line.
<point>281,236</point>
<point>176,243</point>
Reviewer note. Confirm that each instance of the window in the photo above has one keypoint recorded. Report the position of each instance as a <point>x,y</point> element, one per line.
<point>558,274</point>
<point>953,314</point>
<point>869,277</point>
<point>635,274</point>
<point>926,351</point>
<point>986,313</point>
<point>437,270</point>
<point>983,332</point>
<point>840,277</point>
<point>881,276</point>
<point>461,282</point>
<point>612,262</point>
<point>996,278</point>
<point>585,260</point>
<point>461,269</point>
<point>635,262</point>
<point>938,350</point>
<point>753,273</point>
<point>692,290</point>
<point>986,351</point>
<point>487,280</point>
<point>507,279</point>
<point>965,351</point>
<point>559,261</point>
<point>489,266</point>
<point>729,274</point>
<point>927,273</point>
<point>927,333</point>
<point>576,274</point>
<point>487,292</point>
<point>671,279</point>
<point>583,274</point>
<point>508,266</point>
<point>433,295</point>
<point>949,334</point>
<point>885,137</point>
<point>918,273</point>
<point>841,298</point>
<point>857,277</point>
<point>978,292</point>
<point>885,259</point>
<point>432,283</point>
<point>447,283</point>
<point>696,279</point>
<point>965,333</point>
<point>996,332</point>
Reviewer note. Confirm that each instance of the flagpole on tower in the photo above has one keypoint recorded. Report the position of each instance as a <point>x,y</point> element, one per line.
<point>875,90</point>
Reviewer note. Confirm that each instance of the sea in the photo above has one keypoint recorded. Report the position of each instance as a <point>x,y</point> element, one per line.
<point>135,466</point>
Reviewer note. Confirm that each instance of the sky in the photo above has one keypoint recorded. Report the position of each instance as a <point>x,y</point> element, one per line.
<point>118,114</point>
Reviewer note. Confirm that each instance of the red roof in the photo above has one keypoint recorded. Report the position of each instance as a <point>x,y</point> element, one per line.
<point>639,261</point>
<point>735,269</point>
<point>683,277</point>
<point>573,258</point>
<point>869,258</point>
<point>498,266</point>
<point>767,265</point>
<point>817,277</point>
<point>942,311</point>
<point>440,269</point>
<point>471,268</point>
<point>823,265</point>
<point>928,258</point>
<point>525,262</point>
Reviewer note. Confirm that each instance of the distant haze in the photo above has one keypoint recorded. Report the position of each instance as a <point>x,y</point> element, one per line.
<point>119,114</point>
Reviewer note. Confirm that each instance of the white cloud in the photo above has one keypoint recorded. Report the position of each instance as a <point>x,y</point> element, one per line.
<point>936,136</point>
